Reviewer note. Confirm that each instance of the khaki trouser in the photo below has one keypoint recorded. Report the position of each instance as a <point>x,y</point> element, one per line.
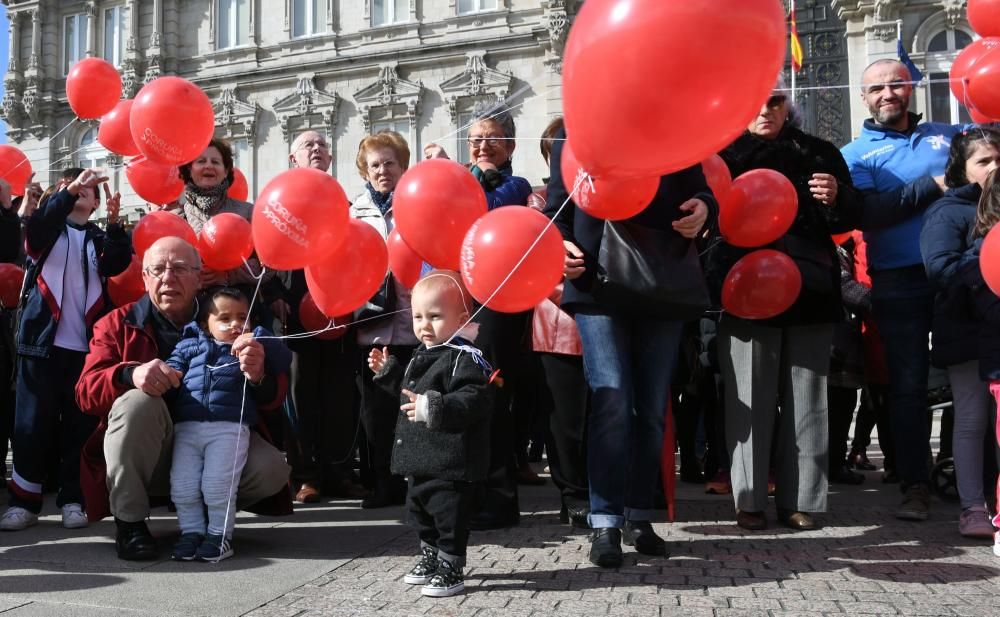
<point>138,447</point>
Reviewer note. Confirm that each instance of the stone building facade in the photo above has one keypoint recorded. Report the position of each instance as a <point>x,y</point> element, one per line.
<point>274,68</point>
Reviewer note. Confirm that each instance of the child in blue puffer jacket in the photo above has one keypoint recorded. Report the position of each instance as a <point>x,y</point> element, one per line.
<point>212,418</point>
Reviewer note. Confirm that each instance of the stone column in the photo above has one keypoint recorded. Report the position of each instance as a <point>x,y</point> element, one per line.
<point>36,40</point>
<point>91,9</point>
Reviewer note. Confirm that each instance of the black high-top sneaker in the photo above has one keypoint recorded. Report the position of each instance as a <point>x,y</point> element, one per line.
<point>425,569</point>
<point>446,582</point>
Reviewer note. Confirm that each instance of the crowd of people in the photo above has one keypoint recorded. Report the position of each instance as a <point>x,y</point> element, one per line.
<point>193,395</point>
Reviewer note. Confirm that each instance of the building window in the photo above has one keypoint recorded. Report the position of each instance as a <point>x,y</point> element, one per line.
<point>308,17</point>
<point>114,34</point>
<point>234,23</point>
<point>74,40</point>
<point>942,48</point>
<point>90,152</point>
<point>385,12</point>
<point>465,120</point>
<point>475,6</point>
<point>401,126</point>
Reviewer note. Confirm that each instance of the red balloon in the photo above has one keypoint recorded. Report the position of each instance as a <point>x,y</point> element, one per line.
<point>154,182</point>
<point>345,280</point>
<point>718,176</point>
<point>984,16</point>
<point>759,209</point>
<point>434,204</point>
<point>172,120</point>
<point>761,285</point>
<point>496,244</point>
<point>240,190</point>
<point>127,286</point>
<point>403,261</point>
<point>11,280</point>
<point>93,88</point>
<point>839,239</point>
<point>299,219</point>
<point>114,132</point>
<point>989,259</point>
<point>611,199</point>
<point>984,84</point>
<point>979,117</point>
<point>15,168</point>
<point>160,224</point>
<point>313,320</point>
<point>225,241</point>
<point>964,61</point>
<point>712,62</point>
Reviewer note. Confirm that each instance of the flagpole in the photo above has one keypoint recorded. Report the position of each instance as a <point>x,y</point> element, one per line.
<point>792,13</point>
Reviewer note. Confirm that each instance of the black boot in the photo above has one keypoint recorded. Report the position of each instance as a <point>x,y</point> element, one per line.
<point>134,542</point>
<point>606,547</point>
<point>640,534</point>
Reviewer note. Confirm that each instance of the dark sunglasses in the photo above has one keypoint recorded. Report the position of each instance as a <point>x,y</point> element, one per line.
<point>777,100</point>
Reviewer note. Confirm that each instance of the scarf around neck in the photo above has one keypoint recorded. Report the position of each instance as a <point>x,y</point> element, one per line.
<point>383,201</point>
<point>201,204</point>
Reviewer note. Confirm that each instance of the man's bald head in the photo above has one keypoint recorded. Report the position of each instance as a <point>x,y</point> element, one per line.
<point>172,245</point>
<point>879,67</point>
<point>885,91</point>
<point>310,149</point>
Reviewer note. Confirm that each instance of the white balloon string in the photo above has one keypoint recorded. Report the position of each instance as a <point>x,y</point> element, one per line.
<point>249,268</point>
<point>330,327</point>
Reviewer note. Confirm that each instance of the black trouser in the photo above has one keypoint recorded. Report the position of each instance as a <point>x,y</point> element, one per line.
<point>841,403</point>
<point>379,412</point>
<point>570,405</point>
<point>500,338</point>
<point>324,391</point>
<point>874,411</point>
<point>46,405</point>
<point>440,510</point>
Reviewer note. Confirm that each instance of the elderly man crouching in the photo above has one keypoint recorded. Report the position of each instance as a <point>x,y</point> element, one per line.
<point>127,459</point>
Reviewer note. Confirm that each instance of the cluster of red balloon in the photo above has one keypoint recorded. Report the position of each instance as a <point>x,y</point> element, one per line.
<point>975,74</point>
<point>755,209</point>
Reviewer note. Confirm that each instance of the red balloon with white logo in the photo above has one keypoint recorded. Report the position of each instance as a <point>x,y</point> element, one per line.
<point>299,219</point>
<point>114,132</point>
<point>172,120</point>
<point>313,320</point>
<point>345,280</point>
<point>127,286</point>
<point>154,182</point>
<point>11,280</point>
<point>602,198</point>
<point>225,241</point>
<point>761,285</point>
<point>160,224</point>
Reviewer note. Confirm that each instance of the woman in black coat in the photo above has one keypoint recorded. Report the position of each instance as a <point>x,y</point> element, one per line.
<point>783,362</point>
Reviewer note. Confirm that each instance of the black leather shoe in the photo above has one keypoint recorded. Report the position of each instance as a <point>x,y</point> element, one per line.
<point>640,534</point>
<point>844,475</point>
<point>606,548</point>
<point>134,542</point>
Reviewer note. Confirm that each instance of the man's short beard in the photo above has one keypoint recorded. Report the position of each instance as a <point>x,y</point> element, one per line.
<point>886,118</point>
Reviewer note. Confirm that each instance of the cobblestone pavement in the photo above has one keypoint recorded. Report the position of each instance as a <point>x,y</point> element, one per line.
<point>861,562</point>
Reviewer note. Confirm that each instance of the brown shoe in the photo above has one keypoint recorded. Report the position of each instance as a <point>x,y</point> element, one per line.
<point>796,520</point>
<point>307,493</point>
<point>754,521</point>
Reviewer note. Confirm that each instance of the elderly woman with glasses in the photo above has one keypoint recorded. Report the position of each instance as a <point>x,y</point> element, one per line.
<point>775,370</point>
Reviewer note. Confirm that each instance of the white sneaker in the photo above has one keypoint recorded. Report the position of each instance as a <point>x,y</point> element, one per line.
<point>74,517</point>
<point>996,544</point>
<point>16,519</point>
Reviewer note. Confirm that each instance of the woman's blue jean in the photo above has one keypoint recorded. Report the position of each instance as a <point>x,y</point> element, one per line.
<point>628,362</point>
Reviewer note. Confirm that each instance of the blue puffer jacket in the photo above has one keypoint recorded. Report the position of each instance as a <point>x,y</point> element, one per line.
<point>212,387</point>
<point>502,187</point>
<point>945,237</point>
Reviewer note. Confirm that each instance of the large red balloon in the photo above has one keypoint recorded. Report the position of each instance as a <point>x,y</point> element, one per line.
<point>299,219</point>
<point>611,199</point>
<point>314,320</point>
<point>979,117</point>
<point>127,286</point>
<point>964,61</point>
<point>225,241</point>
<point>650,87</point>
<point>240,190</point>
<point>492,254</point>
<point>984,16</point>
<point>114,132</point>
<point>759,209</point>
<point>15,168</point>
<point>11,280</point>
<point>718,176</point>
<point>989,259</point>
<point>434,204</point>
<point>345,280</point>
<point>93,88</point>
<point>160,224</point>
<point>172,120</point>
<point>154,182</point>
<point>984,84</point>
<point>403,261</point>
<point>761,285</point>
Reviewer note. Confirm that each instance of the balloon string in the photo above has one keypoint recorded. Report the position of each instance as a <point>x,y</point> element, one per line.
<point>57,133</point>
<point>257,277</point>
<point>581,178</point>
<point>330,326</point>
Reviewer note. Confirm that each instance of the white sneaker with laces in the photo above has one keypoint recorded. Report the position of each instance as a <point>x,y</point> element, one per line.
<point>17,518</point>
<point>73,516</point>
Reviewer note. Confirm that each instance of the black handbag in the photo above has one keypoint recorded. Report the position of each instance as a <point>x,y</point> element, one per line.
<point>650,272</point>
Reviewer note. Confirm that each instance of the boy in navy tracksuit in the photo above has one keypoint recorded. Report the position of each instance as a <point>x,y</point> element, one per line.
<point>69,260</point>
<point>443,430</point>
<point>212,417</point>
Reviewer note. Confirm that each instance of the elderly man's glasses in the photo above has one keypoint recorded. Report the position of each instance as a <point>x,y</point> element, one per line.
<point>179,269</point>
<point>477,142</point>
<point>776,101</point>
<point>309,145</point>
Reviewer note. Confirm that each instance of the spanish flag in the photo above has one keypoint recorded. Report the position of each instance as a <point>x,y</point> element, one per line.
<point>796,45</point>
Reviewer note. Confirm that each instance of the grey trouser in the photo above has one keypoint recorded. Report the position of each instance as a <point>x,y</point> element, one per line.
<point>767,368</point>
<point>138,448</point>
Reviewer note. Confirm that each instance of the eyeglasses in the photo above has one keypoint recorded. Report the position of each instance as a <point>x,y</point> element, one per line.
<point>477,142</point>
<point>309,145</point>
<point>777,100</point>
<point>179,269</point>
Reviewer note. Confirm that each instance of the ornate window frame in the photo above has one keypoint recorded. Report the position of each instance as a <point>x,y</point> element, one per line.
<point>390,97</point>
<point>307,108</point>
<point>477,82</point>
<point>236,119</point>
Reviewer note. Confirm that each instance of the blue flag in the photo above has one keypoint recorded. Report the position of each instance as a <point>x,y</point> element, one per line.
<point>904,57</point>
